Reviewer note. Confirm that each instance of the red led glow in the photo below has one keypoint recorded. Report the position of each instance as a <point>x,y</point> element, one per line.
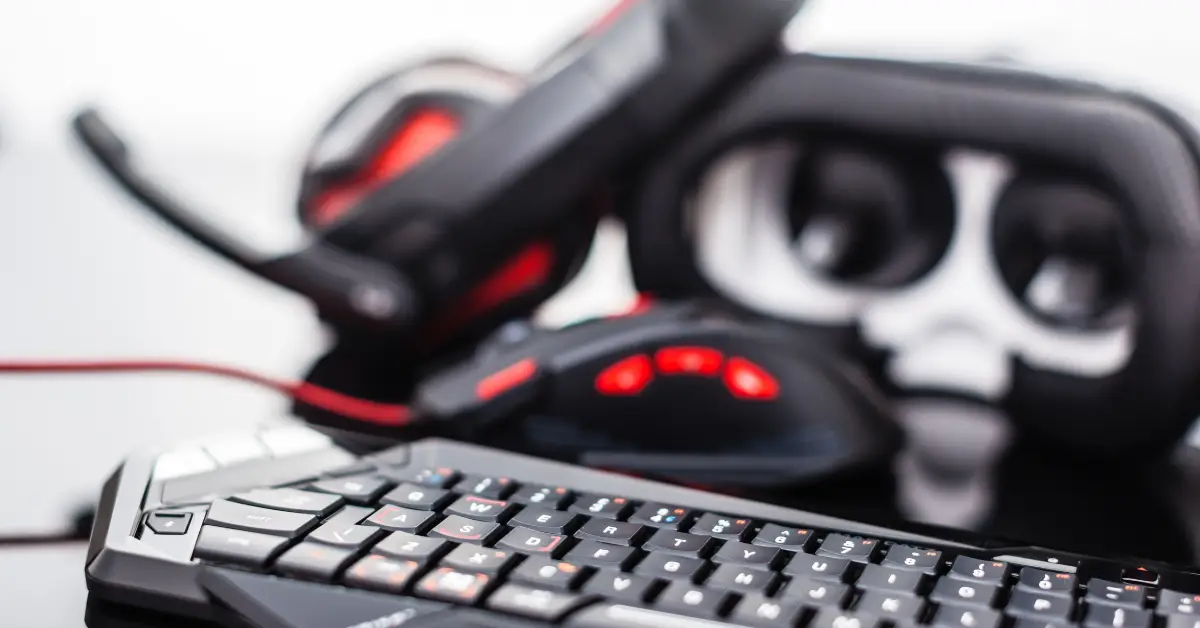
<point>688,361</point>
<point>747,380</point>
<point>506,379</point>
<point>627,377</point>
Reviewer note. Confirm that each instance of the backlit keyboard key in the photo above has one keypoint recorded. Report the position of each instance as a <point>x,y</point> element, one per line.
<point>849,547</point>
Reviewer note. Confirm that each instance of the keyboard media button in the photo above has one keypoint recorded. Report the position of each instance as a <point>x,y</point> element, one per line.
<point>953,591</point>
<point>1040,606</point>
<point>486,486</point>
<point>1047,582</point>
<point>890,579</point>
<point>402,519</point>
<point>663,516</point>
<point>414,497</point>
<point>816,593</point>
<point>478,559</point>
<point>311,561</point>
<point>849,547</point>
<point>542,604</point>
<point>1177,603</point>
<point>689,599</point>
<point>359,489</point>
<point>735,553</point>
<point>380,573</point>
<point>670,567</point>
<point>756,610</point>
<point>950,616</point>
<point>603,506</point>
<point>818,568</point>
<point>463,530</point>
<point>546,573</point>
<point>609,531</point>
<point>255,519</point>
<point>1105,616</point>
<point>721,527</point>
<point>981,571</point>
<point>602,555</point>
<point>679,543</point>
<point>891,606</point>
<point>480,508</point>
<point>226,545</point>
<point>450,585</point>
<point>1116,593</point>
<point>291,500</point>
<point>552,497</point>
<point>534,542</point>
<point>914,558</point>
<point>545,520</point>
<point>419,549</point>
<point>621,587</point>
<point>742,579</point>
<point>834,618</point>
<point>791,539</point>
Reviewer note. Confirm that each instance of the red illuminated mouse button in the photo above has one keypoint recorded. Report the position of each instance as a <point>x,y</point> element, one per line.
<point>688,361</point>
<point>627,377</point>
<point>747,380</point>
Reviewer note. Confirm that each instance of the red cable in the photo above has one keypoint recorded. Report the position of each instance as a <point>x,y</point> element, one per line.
<point>304,392</point>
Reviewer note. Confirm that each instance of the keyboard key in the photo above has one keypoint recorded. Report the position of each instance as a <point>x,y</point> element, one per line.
<point>792,539</point>
<point>416,497</point>
<point>833,618</point>
<point>310,561</point>
<point>552,497</point>
<point>237,546</point>
<point>447,584</point>
<point>1116,593</point>
<point>1176,603</point>
<point>818,568</point>
<point>621,586</point>
<point>419,549</point>
<point>679,543</point>
<point>542,604</point>
<point>1039,606</point>
<point>402,519</point>
<point>914,558</point>
<point>457,528</point>
<point>890,580</point>
<point>1182,621</point>
<point>981,571</point>
<point>486,486</point>
<point>742,579</point>
<point>1105,616</point>
<point>608,531</point>
<point>721,527</point>
<point>603,506</point>
<point>480,508</point>
<point>736,553</point>
<point>255,519</point>
<point>1033,623</point>
<point>478,559</point>
<point>756,610</point>
<point>169,523</point>
<point>1047,582</point>
<point>689,599</point>
<point>662,516</point>
<point>546,573</point>
<point>890,606</point>
<point>350,515</point>
<point>1140,575</point>
<point>669,567</point>
<point>291,500</point>
<point>949,616</point>
<point>546,520</point>
<point>430,478</point>
<point>849,547</point>
<point>603,555</point>
<point>962,593</point>
<point>816,593</point>
<point>350,536</point>
<point>380,573</point>
<point>534,542</point>
<point>614,615</point>
<point>359,489</point>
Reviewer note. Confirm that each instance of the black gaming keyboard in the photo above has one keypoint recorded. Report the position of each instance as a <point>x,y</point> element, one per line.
<point>283,529</point>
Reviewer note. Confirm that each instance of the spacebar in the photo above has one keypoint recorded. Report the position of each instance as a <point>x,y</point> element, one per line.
<point>620,616</point>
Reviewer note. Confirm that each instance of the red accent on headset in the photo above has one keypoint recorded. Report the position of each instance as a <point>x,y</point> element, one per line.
<point>423,133</point>
<point>506,379</point>
<point>526,271</point>
<point>627,377</point>
<point>747,380</point>
<point>610,16</point>
<point>689,361</point>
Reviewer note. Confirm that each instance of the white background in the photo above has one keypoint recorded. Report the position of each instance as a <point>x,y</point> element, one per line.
<point>222,98</point>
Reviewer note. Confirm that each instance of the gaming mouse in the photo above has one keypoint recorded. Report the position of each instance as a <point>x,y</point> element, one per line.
<point>688,392</point>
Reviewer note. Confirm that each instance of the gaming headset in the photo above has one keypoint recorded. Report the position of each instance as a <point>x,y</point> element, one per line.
<point>841,196</point>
